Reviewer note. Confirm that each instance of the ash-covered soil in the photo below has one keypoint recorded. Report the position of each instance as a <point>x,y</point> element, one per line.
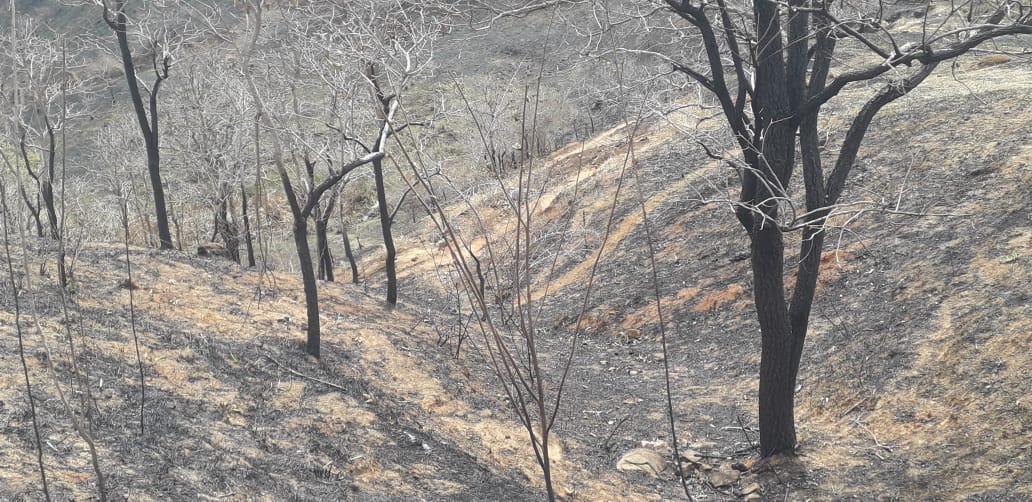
<point>914,381</point>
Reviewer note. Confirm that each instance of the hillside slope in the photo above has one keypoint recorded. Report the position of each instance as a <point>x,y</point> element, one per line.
<point>914,383</point>
<point>914,376</point>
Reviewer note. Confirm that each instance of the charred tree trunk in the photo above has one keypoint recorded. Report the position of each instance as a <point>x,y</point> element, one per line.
<point>350,254</point>
<point>34,208</point>
<point>322,220</point>
<point>347,244</point>
<point>304,256</point>
<point>247,226</point>
<point>148,125</point>
<point>157,188</point>
<point>47,181</point>
<point>388,239</point>
<point>33,211</point>
<point>226,229</point>
<point>791,49</point>
<point>777,357</point>
<point>325,268</point>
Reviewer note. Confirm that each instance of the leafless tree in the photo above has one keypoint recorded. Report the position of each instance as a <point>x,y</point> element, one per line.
<point>40,71</point>
<point>770,68</point>
<point>208,146</point>
<point>379,46</point>
<point>162,31</point>
<point>301,208</point>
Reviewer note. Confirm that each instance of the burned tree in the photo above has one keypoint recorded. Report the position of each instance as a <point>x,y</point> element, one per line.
<point>302,207</point>
<point>768,66</point>
<point>159,45</point>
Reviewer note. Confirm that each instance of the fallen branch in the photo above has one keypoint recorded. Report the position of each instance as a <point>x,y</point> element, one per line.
<point>294,372</point>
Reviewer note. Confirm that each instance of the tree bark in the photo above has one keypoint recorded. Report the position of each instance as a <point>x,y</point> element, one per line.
<point>350,254</point>
<point>304,256</point>
<point>388,238</point>
<point>322,217</point>
<point>247,226</point>
<point>777,380</point>
<point>47,181</point>
<point>34,210</point>
<point>347,243</point>
<point>226,229</point>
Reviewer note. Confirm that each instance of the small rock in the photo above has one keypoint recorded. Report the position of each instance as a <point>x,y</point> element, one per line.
<point>993,60</point>
<point>751,488</point>
<point>721,477</point>
<point>657,444</point>
<point>688,469</point>
<point>745,465</point>
<point>643,459</point>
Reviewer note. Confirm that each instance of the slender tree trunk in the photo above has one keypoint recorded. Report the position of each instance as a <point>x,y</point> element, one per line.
<point>34,213</point>
<point>174,218</point>
<point>148,125</point>
<point>160,208</point>
<point>325,270</point>
<point>350,254</point>
<point>247,226</point>
<point>304,256</point>
<point>47,181</point>
<point>226,230</point>
<point>388,238</point>
<point>234,225</point>
<point>347,243</point>
<point>34,209</point>
<point>322,224</point>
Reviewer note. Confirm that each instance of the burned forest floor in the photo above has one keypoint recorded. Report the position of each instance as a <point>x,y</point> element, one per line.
<point>914,382</point>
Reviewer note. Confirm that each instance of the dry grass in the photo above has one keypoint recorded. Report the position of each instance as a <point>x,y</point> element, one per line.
<point>916,385</point>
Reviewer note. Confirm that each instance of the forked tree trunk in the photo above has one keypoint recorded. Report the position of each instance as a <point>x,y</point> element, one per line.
<point>148,125</point>
<point>34,209</point>
<point>325,270</point>
<point>791,54</point>
<point>322,223</point>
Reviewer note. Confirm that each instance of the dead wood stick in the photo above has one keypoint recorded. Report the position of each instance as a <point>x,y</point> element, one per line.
<point>302,375</point>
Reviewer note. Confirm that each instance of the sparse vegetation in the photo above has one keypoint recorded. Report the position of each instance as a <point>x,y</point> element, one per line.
<point>548,298</point>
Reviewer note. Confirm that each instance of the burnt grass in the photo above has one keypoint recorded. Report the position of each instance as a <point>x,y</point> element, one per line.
<point>952,194</point>
<point>913,383</point>
<point>190,446</point>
